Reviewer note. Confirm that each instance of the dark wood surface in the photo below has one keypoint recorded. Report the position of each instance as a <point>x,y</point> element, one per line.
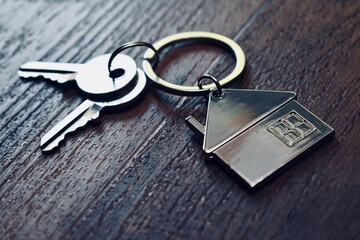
<point>141,174</point>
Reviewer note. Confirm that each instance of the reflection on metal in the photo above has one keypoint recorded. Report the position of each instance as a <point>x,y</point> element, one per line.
<point>236,111</point>
<point>103,91</point>
<point>291,128</point>
<point>92,77</point>
<point>203,37</point>
<point>88,111</point>
<point>256,132</point>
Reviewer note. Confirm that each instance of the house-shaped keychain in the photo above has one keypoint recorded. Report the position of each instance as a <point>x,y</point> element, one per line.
<point>257,132</point>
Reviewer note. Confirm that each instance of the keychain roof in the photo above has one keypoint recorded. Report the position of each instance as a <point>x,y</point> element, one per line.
<point>236,111</point>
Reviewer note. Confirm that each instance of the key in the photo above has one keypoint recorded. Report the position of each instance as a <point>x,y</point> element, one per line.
<point>59,72</point>
<point>92,78</point>
<point>87,111</point>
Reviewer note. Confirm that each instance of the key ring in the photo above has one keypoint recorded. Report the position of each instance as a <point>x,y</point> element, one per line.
<point>212,38</point>
<point>218,92</point>
<point>119,71</point>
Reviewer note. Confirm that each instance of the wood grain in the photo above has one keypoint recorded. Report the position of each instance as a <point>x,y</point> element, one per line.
<point>140,173</point>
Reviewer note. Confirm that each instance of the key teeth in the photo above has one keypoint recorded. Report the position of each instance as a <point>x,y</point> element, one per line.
<point>92,113</point>
<point>49,147</point>
<point>55,77</point>
<point>81,123</point>
<point>96,116</point>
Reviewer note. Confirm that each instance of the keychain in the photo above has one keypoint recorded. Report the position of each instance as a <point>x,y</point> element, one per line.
<point>253,132</point>
<point>257,132</point>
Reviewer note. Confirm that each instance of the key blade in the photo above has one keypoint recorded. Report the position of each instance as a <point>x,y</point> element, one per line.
<point>53,67</point>
<point>57,77</point>
<point>78,118</point>
<point>60,72</point>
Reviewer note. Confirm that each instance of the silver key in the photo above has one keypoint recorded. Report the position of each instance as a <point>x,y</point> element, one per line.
<point>94,80</point>
<point>92,77</point>
<point>59,72</point>
<point>88,111</point>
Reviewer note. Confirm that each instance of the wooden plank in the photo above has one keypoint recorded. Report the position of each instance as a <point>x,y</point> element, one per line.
<point>141,173</point>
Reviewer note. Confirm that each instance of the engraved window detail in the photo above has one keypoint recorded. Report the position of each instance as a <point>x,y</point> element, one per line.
<point>291,128</point>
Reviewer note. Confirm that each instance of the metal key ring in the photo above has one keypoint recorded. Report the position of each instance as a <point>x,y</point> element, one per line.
<point>212,38</point>
<point>113,73</point>
<point>218,92</point>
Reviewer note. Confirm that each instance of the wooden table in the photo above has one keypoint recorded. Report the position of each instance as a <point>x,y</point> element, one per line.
<point>140,173</point>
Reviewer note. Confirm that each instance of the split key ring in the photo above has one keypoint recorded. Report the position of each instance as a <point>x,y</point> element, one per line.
<point>151,60</point>
<point>212,38</point>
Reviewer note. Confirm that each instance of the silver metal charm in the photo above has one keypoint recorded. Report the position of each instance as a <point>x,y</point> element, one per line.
<point>255,133</point>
